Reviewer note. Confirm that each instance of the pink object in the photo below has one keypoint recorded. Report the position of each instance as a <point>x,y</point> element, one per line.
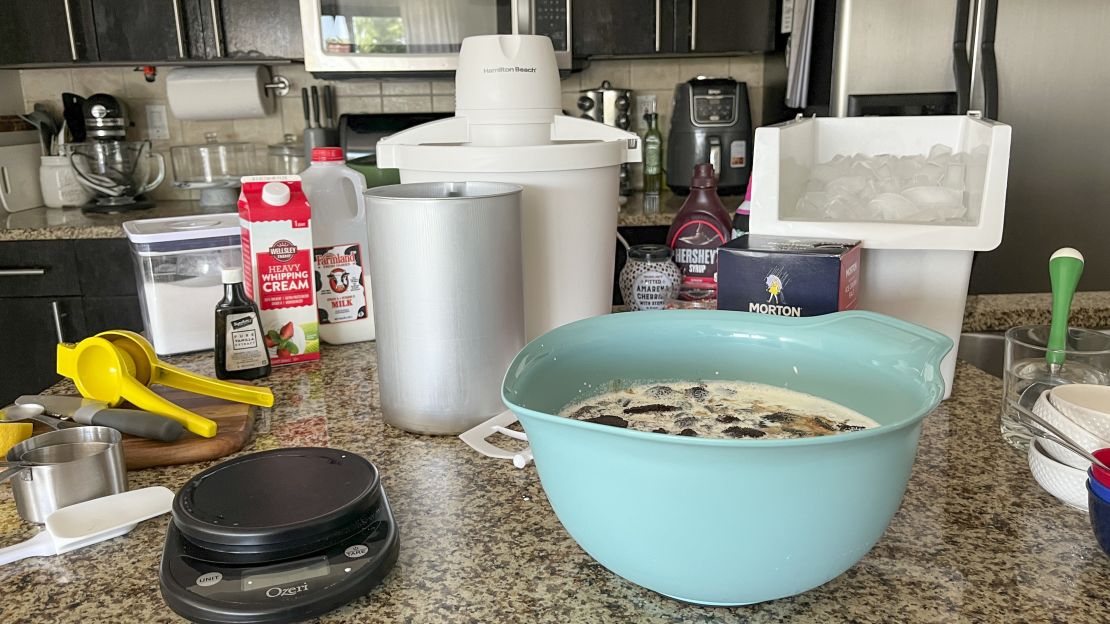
<point>745,207</point>
<point>1101,474</point>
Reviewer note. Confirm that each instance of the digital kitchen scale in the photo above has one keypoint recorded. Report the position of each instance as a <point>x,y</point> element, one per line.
<point>277,536</point>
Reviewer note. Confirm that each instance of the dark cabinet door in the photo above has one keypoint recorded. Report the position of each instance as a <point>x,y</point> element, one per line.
<point>104,313</point>
<point>33,326</point>
<point>622,27</point>
<point>258,28</point>
<point>714,26</point>
<point>147,31</point>
<point>45,31</point>
<point>105,267</point>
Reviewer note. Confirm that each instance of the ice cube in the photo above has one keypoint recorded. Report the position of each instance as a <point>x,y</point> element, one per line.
<point>849,184</point>
<point>836,168</point>
<point>935,203</point>
<point>939,150</point>
<point>929,175</point>
<point>954,176</point>
<point>812,205</point>
<point>893,207</point>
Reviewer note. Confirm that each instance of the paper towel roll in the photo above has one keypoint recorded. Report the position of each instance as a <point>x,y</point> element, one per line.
<point>231,92</point>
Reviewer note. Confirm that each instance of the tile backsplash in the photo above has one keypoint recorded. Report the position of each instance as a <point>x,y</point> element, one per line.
<point>653,76</point>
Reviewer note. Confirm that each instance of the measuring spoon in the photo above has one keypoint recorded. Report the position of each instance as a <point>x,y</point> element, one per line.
<point>96,520</point>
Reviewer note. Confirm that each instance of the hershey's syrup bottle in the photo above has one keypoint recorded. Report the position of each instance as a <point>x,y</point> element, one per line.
<point>241,351</point>
<point>701,226</point>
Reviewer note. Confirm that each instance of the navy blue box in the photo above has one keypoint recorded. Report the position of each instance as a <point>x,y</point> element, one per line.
<point>788,276</point>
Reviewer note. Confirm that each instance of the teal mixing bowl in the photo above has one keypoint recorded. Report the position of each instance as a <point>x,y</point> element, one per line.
<point>737,521</point>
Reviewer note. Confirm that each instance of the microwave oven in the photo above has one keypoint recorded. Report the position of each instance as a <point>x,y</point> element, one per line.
<point>343,38</point>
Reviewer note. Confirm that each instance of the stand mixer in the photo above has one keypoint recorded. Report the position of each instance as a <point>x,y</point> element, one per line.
<point>117,170</point>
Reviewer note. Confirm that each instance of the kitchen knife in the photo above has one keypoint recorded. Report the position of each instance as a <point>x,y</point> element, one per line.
<point>73,112</point>
<point>307,108</point>
<point>316,106</point>
<point>89,412</point>
<point>329,106</point>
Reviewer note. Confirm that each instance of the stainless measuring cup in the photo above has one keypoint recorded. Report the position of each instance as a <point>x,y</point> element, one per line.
<point>67,466</point>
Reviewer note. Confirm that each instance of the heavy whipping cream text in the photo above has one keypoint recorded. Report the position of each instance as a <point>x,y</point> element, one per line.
<point>278,266</point>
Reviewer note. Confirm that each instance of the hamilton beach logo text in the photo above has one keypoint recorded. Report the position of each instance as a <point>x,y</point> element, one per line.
<point>509,70</point>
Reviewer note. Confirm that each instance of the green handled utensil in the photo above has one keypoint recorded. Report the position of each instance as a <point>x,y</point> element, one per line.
<point>1064,269</point>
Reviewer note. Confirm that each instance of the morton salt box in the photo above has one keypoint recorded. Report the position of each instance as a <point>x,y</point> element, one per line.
<point>788,276</point>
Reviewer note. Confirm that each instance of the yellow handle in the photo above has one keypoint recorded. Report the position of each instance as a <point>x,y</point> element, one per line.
<point>67,360</point>
<point>170,375</point>
<point>143,398</point>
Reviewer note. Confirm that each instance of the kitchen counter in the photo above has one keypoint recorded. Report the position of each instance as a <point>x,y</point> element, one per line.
<point>70,223</point>
<point>975,539</point>
<point>1001,312</point>
<point>638,210</point>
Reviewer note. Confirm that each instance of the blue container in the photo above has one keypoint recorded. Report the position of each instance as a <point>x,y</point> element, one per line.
<point>1097,488</point>
<point>728,522</point>
<point>1099,512</point>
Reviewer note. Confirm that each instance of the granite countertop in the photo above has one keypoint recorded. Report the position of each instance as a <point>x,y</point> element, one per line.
<point>1001,312</point>
<point>70,223</point>
<point>975,539</point>
<point>639,210</point>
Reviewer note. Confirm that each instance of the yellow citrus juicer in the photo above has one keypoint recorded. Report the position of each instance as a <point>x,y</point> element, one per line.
<point>119,365</point>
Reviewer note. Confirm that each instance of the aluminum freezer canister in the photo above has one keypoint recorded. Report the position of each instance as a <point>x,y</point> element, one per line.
<point>509,127</point>
<point>446,279</point>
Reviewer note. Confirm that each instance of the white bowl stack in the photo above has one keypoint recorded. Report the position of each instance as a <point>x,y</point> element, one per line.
<point>1082,412</point>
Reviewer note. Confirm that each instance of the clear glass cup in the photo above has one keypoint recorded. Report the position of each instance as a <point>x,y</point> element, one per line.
<point>691,295</point>
<point>1086,360</point>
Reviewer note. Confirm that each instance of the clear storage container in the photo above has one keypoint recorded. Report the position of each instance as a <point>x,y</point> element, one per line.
<point>177,267</point>
<point>917,272</point>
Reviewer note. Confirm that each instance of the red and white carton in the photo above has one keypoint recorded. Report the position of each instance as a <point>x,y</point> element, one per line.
<point>278,274</point>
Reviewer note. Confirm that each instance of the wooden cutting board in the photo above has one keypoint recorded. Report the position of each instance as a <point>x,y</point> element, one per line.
<point>235,420</point>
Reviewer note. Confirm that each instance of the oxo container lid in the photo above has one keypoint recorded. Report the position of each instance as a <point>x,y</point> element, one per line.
<point>276,497</point>
<point>188,228</point>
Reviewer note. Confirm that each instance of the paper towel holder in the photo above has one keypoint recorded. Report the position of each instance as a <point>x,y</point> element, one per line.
<point>279,85</point>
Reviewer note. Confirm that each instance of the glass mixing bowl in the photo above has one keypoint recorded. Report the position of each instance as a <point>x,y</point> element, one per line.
<point>118,171</point>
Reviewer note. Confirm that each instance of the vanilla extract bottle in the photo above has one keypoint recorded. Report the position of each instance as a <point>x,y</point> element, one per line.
<point>241,351</point>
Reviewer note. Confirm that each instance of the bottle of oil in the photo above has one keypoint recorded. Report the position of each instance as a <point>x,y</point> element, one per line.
<point>653,156</point>
<point>241,351</point>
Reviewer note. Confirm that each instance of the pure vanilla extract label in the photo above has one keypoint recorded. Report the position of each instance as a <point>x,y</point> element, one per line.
<point>245,349</point>
<point>340,286</point>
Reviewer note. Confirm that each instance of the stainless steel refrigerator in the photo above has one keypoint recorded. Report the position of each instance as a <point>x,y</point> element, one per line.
<point>1042,66</point>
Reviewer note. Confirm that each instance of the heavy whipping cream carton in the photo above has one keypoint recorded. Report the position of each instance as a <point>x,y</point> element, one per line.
<point>788,276</point>
<point>277,265</point>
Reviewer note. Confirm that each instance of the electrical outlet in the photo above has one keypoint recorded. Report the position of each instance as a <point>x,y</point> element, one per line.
<point>157,122</point>
<point>645,103</point>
